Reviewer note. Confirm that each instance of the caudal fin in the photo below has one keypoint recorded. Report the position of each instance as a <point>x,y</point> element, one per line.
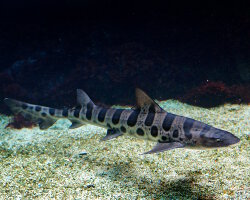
<point>41,115</point>
<point>46,117</point>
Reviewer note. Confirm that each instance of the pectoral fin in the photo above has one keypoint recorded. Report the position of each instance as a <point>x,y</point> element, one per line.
<point>160,147</point>
<point>111,134</point>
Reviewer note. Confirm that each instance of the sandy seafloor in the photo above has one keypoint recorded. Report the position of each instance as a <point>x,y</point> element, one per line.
<point>37,164</point>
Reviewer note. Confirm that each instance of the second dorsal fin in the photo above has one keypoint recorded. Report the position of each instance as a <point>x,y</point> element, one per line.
<point>82,98</point>
<point>142,100</point>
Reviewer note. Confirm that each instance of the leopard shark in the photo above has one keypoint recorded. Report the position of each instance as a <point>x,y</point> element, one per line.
<point>147,120</point>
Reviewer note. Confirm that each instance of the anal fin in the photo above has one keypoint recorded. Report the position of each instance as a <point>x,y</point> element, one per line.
<point>160,147</point>
<point>45,123</point>
<point>76,124</point>
<point>111,134</point>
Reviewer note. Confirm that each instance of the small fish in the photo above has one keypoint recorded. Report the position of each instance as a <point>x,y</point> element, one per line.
<point>146,121</point>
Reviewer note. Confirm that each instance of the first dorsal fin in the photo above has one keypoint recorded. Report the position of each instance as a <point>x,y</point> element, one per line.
<point>142,100</point>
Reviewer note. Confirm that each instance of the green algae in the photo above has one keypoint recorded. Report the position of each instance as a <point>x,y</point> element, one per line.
<point>49,164</point>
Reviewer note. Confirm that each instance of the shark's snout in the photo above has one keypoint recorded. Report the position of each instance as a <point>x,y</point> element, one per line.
<point>228,138</point>
<point>219,138</point>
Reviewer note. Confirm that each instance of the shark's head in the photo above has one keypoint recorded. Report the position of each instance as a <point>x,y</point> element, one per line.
<point>216,138</point>
<point>205,136</point>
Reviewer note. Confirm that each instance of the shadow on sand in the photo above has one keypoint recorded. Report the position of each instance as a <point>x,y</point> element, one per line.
<point>181,188</point>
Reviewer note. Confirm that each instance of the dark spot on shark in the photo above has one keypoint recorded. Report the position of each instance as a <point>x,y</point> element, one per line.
<point>44,114</point>
<point>133,118</point>
<point>123,129</point>
<point>102,114</point>
<point>168,120</point>
<point>24,106</point>
<point>154,131</point>
<point>205,129</point>
<point>164,138</point>
<point>65,112</point>
<point>151,108</point>
<point>108,125</point>
<point>175,133</point>
<point>188,135</point>
<point>140,132</point>
<point>89,110</point>
<point>188,124</point>
<point>116,116</point>
<point>38,108</point>
<point>52,111</point>
<point>150,118</point>
<point>77,112</point>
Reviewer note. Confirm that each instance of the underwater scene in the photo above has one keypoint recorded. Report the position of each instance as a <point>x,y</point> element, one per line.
<point>124,100</point>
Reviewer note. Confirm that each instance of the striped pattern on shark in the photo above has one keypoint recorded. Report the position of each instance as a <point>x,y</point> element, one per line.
<point>146,121</point>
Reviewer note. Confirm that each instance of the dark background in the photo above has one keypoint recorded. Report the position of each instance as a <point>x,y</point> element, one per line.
<point>194,51</point>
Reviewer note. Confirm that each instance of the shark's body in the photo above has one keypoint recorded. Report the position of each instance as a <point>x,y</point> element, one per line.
<point>146,121</point>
